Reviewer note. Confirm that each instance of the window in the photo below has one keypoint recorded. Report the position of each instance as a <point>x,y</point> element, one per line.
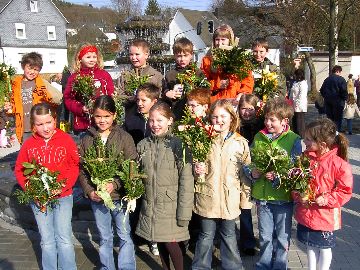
<point>51,32</point>
<point>20,30</point>
<point>34,6</point>
<point>52,57</point>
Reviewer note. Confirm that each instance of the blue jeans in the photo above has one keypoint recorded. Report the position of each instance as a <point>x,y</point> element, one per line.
<point>57,248</point>
<point>349,125</point>
<point>104,217</point>
<point>274,234</point>
<point>229,252</point>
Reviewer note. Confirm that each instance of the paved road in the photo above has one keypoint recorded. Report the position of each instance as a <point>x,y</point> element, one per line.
<point>19,250</point>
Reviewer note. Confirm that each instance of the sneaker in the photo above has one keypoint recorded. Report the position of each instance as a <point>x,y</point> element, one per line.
<point>154,249</point>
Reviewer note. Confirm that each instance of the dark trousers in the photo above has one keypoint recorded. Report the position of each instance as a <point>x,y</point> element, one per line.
<point>247,238</point>
<point>299,123</point>
<point>334,111</point>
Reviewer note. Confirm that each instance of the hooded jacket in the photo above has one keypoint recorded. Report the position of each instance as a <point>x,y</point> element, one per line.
<point>59,153</point>
<point>226,189</point>
<point>334,180</point>
<point>121,142</point>
<point>169,189</point>
<point>104,86</point>
<point>39,94</point>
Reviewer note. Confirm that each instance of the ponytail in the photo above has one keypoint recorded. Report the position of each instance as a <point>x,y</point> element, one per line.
<point>343,145</point>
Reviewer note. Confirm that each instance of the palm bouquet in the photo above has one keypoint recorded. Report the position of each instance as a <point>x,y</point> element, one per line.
<point>191,80</point>
<point>133,81</point>
<point>232,60</point>
<point>267,158</point>
<point>267,85</point>
<point>104,164</point>
<point>6,71</point>
<point>84,88</point>
<point>42,186</point>
<point>197,135</point>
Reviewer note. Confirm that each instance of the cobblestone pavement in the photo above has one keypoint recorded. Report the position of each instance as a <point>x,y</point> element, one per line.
<point>19,250</point>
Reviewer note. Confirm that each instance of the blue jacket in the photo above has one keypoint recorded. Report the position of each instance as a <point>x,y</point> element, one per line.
<point>334,88</point>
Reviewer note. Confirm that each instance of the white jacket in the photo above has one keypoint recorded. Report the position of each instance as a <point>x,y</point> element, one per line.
<point>298,95</point>
<point>349,111</point>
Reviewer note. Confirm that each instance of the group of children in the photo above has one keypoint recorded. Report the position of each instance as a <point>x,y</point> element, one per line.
<point>173,192</point>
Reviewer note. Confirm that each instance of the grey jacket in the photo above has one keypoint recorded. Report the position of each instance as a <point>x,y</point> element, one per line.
<point>169,189</point>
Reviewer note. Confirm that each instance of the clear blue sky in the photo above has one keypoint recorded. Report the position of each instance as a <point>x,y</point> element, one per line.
<point>189,4</point>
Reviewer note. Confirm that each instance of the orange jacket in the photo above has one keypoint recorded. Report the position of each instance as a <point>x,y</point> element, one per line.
<point>40,94</point>
<point>234,87</point>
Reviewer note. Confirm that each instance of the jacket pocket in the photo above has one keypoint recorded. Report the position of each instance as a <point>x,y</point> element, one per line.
<point>171,194</point>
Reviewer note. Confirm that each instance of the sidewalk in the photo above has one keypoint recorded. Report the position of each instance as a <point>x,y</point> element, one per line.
<point>20,250</point>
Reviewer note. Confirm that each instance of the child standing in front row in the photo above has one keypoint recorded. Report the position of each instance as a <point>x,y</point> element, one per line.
<point>219,197</point>
<point>57,151</point>
<point>349,112</point>
<point>88,62</point>
<point>274,204</point>
<point>169,188</point>
<point>333,181</point>
<point>113,137</point>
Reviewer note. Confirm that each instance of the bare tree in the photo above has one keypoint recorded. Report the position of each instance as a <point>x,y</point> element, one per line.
<point>128,7</point>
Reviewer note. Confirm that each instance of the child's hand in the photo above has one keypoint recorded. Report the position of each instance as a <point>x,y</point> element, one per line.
<point>321,200</point>
<point>255,173</point>
<point>270,176</point>
<point>94,197</point>
<point>109,187</point>
<point>200,168</point>
<point>85,110</point>
<point>224,84</point>
<point>173,94</point>
<point>7,107</point>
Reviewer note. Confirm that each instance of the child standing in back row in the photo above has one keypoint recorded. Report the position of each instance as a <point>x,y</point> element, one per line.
<point>225,86</point>
<point>333,182</point>
<point>88,62</point>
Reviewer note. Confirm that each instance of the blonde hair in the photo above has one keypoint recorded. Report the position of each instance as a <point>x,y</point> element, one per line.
<point>224,31</point>
<point>351,99</point>
<point>41,109</point>
<point>226,105</point>
<point>77,62</point>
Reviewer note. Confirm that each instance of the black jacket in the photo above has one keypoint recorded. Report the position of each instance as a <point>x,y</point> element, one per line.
<point>334,89</point>
<point>136,124</point>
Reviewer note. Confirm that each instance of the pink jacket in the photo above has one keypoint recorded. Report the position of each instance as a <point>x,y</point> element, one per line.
<point>106,87</point>
<point>334,180</point>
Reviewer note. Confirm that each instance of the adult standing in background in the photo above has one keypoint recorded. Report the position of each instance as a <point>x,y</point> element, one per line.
<point>351,85</point>
<point>298,94</point>
<point>334,92</point>
<point>357,89</point>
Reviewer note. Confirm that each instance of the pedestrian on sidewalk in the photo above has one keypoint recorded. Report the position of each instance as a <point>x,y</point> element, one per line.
<point>349,112</point>
<point>334,92</point>
<point>55,150</point>
<point>318,220</point>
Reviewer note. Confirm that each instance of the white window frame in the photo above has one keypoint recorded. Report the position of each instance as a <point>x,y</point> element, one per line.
<point>51,31</point>
<point>52,58</point>
<point>20,26</point>
<point>34,6</point>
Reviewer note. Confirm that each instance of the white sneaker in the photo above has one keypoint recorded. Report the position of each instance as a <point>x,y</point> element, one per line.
<point>154,249</point>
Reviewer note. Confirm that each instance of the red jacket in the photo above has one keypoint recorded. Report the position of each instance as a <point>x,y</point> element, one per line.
<point>234,87</point>
<point>81,120</point>
<point>334,180</point>
<point>58,154</point>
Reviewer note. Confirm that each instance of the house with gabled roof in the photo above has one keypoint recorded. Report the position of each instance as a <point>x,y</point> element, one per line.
<point>185,24</point>
<point>33,25</point>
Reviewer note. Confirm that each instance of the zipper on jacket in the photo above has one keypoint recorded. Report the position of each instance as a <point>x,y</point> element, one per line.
<point>154,186</point>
